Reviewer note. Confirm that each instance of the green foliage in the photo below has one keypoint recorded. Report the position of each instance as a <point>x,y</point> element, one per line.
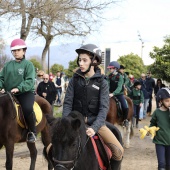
<point>133,64</point>
<point>72,66</point>
<point>161,67</point>
<point>56,67</point>
<point>36,63</point>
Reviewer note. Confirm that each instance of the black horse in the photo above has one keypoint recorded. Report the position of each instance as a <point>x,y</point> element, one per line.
<point>71,148</point>
<point>11,132</point>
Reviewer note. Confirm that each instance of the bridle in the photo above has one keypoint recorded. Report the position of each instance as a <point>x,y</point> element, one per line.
<point>63,163</point>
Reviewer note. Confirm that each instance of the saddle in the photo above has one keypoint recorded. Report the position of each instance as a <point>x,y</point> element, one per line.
<point>20,116</point>
<point>103,153</point>
<point>119,107</point>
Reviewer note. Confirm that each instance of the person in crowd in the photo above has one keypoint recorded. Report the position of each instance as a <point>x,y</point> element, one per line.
<point>137,97</point>
<point>125,79</point>
<point>151,83</point>
<point>161,118</point>
<point>18,77</point>
<point>51,76</point>
<point>157,87</point>
<point>88,93</point>
<point>39,78</point>
<point>147,92</point>
<point>47,90</point>
<point>59,84</point>
<point>116,88</point>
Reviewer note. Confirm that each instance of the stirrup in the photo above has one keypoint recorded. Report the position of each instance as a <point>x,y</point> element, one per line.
<point>31,137</point>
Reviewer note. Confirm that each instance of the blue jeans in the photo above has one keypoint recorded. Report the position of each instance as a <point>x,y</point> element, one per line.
<point>163,156</point>
<point>59,90</point>
<point>145,106</point>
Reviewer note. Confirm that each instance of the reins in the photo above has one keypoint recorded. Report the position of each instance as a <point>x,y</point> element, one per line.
<point>62,163</point>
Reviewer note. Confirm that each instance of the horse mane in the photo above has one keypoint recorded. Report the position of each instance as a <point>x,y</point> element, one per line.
<point>68,127</point>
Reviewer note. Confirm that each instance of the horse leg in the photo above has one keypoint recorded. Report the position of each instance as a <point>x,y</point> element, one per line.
<point>33,154</point>
<point>9,154</point>
<point>46,140</point>
<point>128,131</point>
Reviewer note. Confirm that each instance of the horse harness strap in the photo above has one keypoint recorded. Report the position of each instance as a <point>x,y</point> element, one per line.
<point>62,163</point>
<point>101,165</point>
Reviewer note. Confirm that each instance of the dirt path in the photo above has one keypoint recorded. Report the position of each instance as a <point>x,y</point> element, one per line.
<point>140,155</point>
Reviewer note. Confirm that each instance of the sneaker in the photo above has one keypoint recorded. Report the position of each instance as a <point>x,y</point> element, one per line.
<point>31,137</point>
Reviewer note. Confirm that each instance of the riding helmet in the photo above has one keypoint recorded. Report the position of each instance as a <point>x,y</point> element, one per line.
<point>18,44</point>
<point>163,93</point>
<point>136,83</point>
<point>92,50</point>
<point>114,64</point>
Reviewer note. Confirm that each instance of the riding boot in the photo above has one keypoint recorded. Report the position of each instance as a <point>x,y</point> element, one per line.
<point>115,165</point>
<point>31,136</point>
<point>125,116</point>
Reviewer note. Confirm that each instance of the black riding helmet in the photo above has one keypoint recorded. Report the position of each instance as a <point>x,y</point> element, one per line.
<point>93,51</point>
<point>114,64</point>
<point>136,83</point>
<point>163,93</point>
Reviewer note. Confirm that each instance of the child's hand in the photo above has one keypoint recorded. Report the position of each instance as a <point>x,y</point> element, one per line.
<point>90,132</point>
<point>140,105</point>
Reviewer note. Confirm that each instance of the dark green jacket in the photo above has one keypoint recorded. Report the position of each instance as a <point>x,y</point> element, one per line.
<point>161,119</point>
<point>19,75</point>
<point>136,96</point>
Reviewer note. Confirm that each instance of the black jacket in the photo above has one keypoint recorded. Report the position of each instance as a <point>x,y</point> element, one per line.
<point>96,117</point>
<point>48,88</point>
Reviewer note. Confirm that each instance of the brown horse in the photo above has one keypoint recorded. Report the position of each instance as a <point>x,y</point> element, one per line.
<point>11,132</point>
<point>114,118</point>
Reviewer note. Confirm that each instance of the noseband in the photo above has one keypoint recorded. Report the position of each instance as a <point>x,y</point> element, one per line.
<point>63,163</point>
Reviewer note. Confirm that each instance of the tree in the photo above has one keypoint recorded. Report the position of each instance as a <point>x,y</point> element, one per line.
<point>161,67</point>
<point>56,67</point>
<point>36,64</point>
<point>72,66</point>
<point>51,18</point>
<point>133,64</point>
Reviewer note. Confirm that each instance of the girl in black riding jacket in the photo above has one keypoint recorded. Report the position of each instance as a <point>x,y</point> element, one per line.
<point>88,93</point>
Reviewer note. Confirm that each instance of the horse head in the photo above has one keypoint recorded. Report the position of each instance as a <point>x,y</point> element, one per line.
<point>68,136</point>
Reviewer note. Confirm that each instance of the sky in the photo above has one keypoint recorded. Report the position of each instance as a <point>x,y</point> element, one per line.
<point>148,18</point>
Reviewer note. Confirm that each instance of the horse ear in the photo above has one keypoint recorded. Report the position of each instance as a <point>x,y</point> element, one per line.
<point>75,124</point>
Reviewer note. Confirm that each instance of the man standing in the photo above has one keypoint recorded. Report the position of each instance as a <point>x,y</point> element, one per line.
<point>46,89</point>
<point>59,84</point>
<point>151,83</point>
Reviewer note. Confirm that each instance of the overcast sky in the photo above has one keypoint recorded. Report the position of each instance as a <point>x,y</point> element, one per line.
<point>149,18</point>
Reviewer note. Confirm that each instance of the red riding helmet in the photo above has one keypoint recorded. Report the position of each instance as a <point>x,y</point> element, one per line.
<point>18,44</point>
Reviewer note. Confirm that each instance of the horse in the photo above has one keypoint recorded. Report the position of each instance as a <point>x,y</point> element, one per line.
<point>114,118</point>
<point>11,132</point>
<point>71,148</point>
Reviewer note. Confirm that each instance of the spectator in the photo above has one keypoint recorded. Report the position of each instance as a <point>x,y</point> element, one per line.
<point>151,83</point>
<point>39,78</point>
<point>137,97</point>
<point>51,76</point>
<point>158,86</point>
<point>46,89</point>
<point>59,84</point>
<point>147,92</point>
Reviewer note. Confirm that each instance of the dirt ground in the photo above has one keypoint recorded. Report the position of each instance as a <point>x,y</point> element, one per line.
<point>141,154</point>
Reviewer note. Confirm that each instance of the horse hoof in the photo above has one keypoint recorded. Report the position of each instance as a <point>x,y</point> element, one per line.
<point>127,146</point>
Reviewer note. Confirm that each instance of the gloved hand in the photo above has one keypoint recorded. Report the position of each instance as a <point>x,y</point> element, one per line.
<point>2,91</point>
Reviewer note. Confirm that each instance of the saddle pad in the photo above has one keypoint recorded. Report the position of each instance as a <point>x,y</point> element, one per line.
<point>37,111</point>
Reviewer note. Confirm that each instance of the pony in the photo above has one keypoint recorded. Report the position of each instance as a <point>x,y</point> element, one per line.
<point>11,132</point>
<point>114,118</point>
<point>71,148</point>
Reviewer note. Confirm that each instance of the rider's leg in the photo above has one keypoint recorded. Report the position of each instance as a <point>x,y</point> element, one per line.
<point>112,142</point>
<point>27,100</point>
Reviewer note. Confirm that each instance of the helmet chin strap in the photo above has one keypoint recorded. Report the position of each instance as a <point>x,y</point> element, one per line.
<point>87,70</point>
